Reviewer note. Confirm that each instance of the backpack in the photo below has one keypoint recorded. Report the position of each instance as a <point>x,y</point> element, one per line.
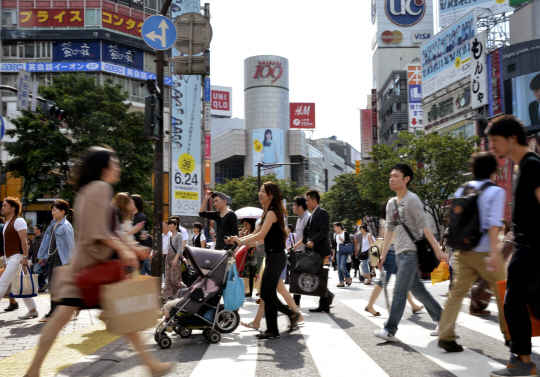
<point>465,230</point>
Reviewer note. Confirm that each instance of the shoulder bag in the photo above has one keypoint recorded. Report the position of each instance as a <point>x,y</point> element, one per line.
<point>346,248</point>
<point>426,256</point>
<point>307,262</point>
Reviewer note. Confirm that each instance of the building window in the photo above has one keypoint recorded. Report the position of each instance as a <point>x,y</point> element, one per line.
<point>9,49</point>
<point>9,80</point>
<point>226,171</point>
<point>149,63</point>
<point>9,18</point>
<point>43,49</point>
<point>93,17</point>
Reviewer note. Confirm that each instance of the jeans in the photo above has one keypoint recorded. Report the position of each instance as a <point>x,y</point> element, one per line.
<point>523,279</point>
<point>145,270</point>
<point>408,279</point>
<point>41,272</point>
<point>275,263</point>
<point>389,266</point>
<point>366,269</point>
<point>12,266</point>
<point>343,273</point>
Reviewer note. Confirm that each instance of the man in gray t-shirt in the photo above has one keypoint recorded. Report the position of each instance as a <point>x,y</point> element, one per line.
<point>406,208</point>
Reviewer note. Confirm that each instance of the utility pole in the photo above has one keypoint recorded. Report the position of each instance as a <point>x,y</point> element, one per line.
<point>157,259</point>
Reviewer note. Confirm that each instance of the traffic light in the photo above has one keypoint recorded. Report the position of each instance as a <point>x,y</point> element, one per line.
<point>152,116</point>
<point>53,112</point>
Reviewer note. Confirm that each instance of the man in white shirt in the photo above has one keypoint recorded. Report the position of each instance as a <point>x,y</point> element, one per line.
<point>299,208</point>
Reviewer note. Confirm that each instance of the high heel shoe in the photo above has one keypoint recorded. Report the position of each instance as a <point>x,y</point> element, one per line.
<point>349,282</point>
<point>267,335</point>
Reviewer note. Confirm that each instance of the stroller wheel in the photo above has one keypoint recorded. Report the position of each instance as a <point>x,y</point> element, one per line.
<point>227,320</point>
<point>183,331</point>
<point>164,342</point>
<point>156,337</point>
<point>214,337</point>
<point>206,332</point>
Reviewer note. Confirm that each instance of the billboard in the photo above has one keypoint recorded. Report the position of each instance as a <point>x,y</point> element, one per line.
<point>401,23</point>
<point>452,10</point>
<point>185,176</point>
<point>221,100</point>
<point>374,119</point>
<point>414,92</point>
<point>302,115</point>
<point>526,98</point>
<point>366,133</point>
<point>268,148</point>
<point>478,71</point>
<point>76,51</point>
<point>494,64</point>
<point>446,58</point>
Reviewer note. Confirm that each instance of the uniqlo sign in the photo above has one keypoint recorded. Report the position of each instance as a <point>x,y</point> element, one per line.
<point>302,115</point>
<point>220,98</point>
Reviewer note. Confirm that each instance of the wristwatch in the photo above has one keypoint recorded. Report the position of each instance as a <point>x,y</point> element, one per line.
<point>25,256</point>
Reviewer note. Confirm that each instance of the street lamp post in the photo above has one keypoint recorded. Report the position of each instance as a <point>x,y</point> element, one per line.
<point>260,166</point>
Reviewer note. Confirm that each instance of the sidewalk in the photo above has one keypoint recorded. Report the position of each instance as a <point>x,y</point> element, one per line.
<point>81,343</point>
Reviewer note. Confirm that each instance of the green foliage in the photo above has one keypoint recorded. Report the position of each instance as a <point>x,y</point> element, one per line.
<point>244,191</point>
<point>96,114</point>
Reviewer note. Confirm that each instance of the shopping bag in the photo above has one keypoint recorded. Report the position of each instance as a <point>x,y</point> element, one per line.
<point>131,305</point>
<point>441,273</point>
<point>309,284</point>
<point>24,285</point>
<point>535,322</point>
<point>234,293</point>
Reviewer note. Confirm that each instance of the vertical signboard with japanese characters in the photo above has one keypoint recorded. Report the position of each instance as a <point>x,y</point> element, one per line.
<point>414,90</point>
<point>366,133</point>
<point>186,164</point>
<point>494,62</point>
<point>23,92</point>
<point>478,71</point>
<point>374,121</point>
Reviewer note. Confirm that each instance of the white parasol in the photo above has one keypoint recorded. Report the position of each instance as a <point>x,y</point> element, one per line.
<point>249,213</point>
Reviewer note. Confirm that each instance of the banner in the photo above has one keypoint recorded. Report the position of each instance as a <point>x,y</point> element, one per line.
<point>121,55</point>
<point>367,133</point>
<point>76,51</point>
<point>268,148</point>
<point>452,10</point>
<point>446,58</point>
<point>302,115</point>
<point>186,164</point>
<point>414,90</point>
<point>23,86</point>
<point>479,71</point>
<point>51,17</point>
<point>494,64</point>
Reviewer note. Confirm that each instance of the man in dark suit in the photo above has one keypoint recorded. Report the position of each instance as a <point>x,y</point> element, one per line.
<point>315,237</point>
<point>534,106</point>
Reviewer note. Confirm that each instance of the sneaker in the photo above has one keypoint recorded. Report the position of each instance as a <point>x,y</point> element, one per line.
<point>383,334</point>
<point>436,331</point>
<point>516,367</point>
<point>11,307</point>
<point>450,346</point>
<point>28,315</point>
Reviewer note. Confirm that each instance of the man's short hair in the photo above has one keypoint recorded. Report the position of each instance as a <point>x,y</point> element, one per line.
<point>483,165</point>
<point>314,194</point>
<point>338,224</point>
<point>15,203</point>
<point>506,126</point>
<point>39,227</point>
<point>300,202</point>
<point>290,227</point>
<point>535,82</point>
<point>198,226</point>
<point>406,169</point>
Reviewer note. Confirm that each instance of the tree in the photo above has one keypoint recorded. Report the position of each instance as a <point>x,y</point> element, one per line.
<point>43,153</point>
<point>342,200</point>
<point>244,191</point>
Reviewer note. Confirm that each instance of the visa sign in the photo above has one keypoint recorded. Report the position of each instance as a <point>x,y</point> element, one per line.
<point>405,12</point>
<point>421,36</point>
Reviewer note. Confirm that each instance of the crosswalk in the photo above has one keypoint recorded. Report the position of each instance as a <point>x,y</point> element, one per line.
<point>342,342</point>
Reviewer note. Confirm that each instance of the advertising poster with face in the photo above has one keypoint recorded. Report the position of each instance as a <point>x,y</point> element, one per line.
<point>526,98</point>
<point>268,148</point>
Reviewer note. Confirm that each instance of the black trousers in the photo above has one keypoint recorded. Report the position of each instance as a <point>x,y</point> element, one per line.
<point>275,263</point>
<point>523,280</point>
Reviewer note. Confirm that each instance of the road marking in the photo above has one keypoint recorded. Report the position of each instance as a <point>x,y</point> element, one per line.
<point>328,350</point>
<point>463,364</point>
<point>236,352</point>
<point>65,351</point>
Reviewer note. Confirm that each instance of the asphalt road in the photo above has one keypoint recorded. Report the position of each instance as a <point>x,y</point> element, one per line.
<point>341,342</point>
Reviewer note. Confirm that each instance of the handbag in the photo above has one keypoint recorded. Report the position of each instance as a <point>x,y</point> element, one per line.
<point>24,285</point>
<point>308,262</point>
<point>90,279</point>
<point>292,261</point>
<point>346,249</point>
<point>426,255</point>
<point>440,274</point>
<point>234,293</point>
<point>310,284</point>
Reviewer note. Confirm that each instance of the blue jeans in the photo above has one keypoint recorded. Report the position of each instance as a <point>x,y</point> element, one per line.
<point>343,273</point>
<point>41,272</point>
<point>366,268</point>
<point>389,266</point>
<point>145,270</point>
<point>408,279</point>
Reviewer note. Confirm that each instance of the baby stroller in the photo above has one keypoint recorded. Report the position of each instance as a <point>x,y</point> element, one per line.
<point>199,306</point>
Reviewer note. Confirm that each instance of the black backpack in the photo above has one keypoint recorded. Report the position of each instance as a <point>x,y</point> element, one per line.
<point>465,230</point>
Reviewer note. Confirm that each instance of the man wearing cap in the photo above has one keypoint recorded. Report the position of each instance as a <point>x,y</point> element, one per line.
<point>226,221</point>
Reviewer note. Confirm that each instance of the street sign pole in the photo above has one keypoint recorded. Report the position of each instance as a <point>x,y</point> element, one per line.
<point>157,259</point>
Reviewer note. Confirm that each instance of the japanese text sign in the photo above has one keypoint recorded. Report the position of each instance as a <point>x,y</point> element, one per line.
<point>51,17</point>
<point>478,71</point>
<point>121,22</point>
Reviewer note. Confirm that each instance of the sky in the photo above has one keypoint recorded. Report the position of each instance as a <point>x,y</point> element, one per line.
<point>328,45</point>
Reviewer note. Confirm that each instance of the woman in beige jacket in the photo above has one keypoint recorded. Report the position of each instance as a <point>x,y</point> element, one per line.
<point>94,242</point>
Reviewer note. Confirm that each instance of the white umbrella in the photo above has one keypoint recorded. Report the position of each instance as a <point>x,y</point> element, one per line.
<point>249,213</point>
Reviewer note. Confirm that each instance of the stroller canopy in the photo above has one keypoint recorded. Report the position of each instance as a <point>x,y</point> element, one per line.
<point>206,260</point>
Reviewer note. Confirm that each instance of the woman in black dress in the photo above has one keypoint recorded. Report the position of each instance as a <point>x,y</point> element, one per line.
<point>274,234</point>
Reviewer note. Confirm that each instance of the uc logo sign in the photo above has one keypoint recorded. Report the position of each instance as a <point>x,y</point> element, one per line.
<point>405,12</point>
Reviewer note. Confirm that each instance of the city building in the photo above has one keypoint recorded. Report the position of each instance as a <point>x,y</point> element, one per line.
<point>393,110</point>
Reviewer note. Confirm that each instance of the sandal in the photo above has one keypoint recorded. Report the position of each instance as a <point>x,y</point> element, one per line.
<point>367,283</point>
<point>349,282</point>
<point>294,320</point>
<point>249,325</point>
<point>376,314</point>
<point>340,285</point>
<point>417,310</point>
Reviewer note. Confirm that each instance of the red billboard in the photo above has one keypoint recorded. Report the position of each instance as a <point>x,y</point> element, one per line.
<point>366,133</point>
<point>302,115</point>
<point>51,17</point>
<point>121,22</point>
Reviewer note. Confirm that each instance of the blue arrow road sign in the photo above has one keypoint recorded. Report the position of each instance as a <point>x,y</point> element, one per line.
<point>206,90</point>
<point>159,32</point>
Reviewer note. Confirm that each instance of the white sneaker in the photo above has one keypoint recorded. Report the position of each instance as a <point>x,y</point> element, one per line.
<point>383,334</point>
<point>28,315</point>
<point>436,331</point>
